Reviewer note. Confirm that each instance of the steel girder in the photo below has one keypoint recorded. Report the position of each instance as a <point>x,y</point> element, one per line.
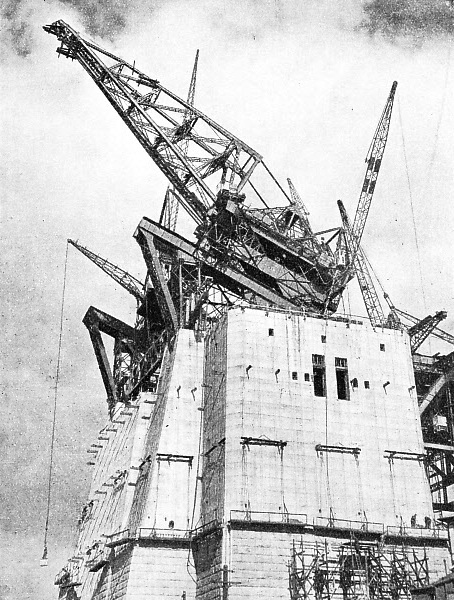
<point>97,321</point>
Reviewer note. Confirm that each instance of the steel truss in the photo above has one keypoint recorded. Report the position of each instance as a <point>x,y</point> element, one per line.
<point>209,170</point>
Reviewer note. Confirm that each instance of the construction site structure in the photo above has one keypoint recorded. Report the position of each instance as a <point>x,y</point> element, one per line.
<point>260,444</point>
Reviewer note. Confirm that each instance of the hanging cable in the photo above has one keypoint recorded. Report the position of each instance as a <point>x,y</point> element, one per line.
<point>440,116</point>
<point>411,205</point>
<point>44,561</point>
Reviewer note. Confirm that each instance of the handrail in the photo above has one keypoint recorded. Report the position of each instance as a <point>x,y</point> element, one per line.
<point>156,533</point>
<point>268,517</point>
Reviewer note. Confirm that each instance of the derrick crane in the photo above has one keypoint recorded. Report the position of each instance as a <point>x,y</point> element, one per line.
<point>127,281</point>
<point>209,169</point>
<point>374,159</point>
<point>421,330</point>
<point>435,331</point>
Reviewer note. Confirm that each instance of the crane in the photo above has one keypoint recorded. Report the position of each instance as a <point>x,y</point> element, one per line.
<point>421,328</point>
<point>374,159</point>
<point>354,233</point>
<point>366,285</point>
<point>127,281</point>
<point>436,331</point>
<point>210,169</point>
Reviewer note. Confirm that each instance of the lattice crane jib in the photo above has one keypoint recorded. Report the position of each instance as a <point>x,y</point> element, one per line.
<point>119,275</point>
<point>159,120</point>
<point>210,171</point>
<point>420,331</point>
<point>373,160</point>
<point>368,291</point>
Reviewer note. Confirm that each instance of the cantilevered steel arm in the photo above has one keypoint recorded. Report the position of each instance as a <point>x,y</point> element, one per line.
<point>97,321</point>
<point>159,120</point>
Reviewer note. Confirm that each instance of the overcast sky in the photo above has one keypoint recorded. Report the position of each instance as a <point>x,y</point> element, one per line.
<point>302,82</point>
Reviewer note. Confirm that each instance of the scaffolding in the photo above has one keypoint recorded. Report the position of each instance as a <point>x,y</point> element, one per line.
<point>355,571</point>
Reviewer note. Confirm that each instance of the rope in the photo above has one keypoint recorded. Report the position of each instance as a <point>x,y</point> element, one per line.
<point>328,483</point>
<point>411,205</point>
<point>54,418</point>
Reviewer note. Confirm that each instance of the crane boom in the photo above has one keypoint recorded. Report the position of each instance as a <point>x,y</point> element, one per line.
<point>208,167</point>
<point>436,331</point>
<point>368,291</point>
<point>354,233</point>
<point>421,330</point>
<point>127,281</point>
<point>159,120</point>
<point>374,159</point>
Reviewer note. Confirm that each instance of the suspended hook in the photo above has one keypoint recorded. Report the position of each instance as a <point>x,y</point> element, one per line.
<point>248,368</point>
<point>276,373</point>
<point>44,562</point>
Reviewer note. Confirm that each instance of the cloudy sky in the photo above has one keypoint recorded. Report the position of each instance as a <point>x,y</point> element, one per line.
<point>302,81</point>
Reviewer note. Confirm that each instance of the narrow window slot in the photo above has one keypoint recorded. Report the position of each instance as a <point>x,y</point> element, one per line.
<point>343,391</point>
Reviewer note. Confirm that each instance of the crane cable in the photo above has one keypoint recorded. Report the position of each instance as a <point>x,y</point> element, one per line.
<point>440,117</point>
<point>418,254</point>
<point>52,443</point>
